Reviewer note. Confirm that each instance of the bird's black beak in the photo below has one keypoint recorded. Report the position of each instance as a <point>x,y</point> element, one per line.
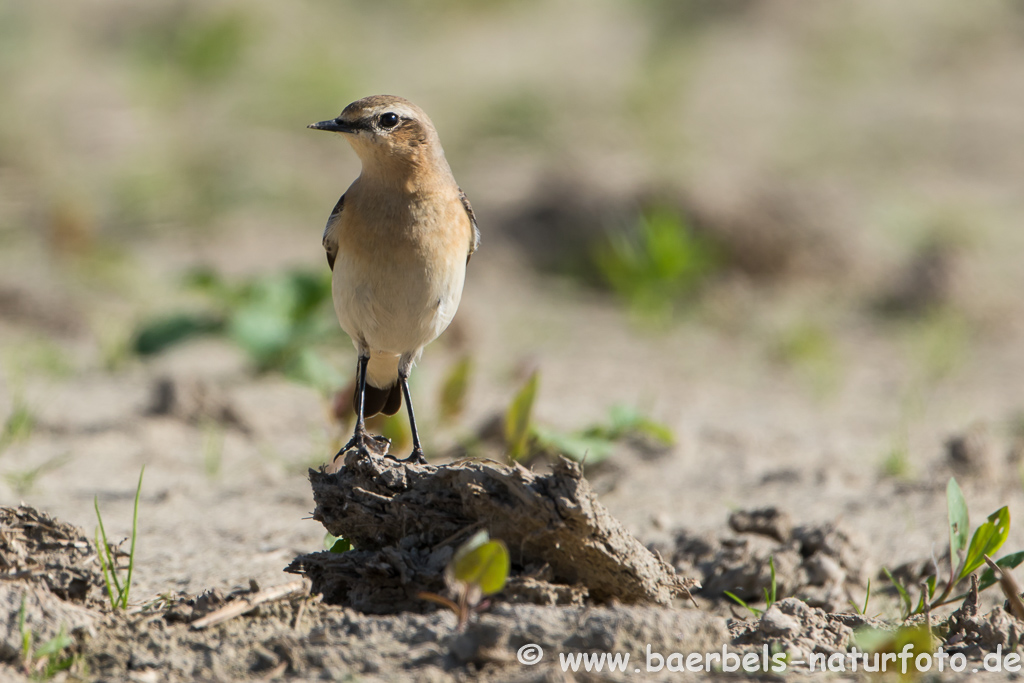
<point>334,125</point>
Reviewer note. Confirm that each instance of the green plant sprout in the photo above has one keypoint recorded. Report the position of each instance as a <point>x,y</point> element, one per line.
<point>867,597</point>
<point>656,265</point>
<point>524,438</point>
<point>988,538</point>
<point>770,594</point>
<point>518,418</point>
<point>337,544</point>
<point>479,568</point>
<point>46,661</point>
<point>116,590</point>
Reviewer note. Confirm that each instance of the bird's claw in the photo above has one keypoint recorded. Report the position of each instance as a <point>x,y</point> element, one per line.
<point>416,457</point>
<point>366,445</point>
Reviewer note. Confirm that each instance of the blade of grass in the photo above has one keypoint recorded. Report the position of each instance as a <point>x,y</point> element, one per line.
<point>106,558</point>
<point>738,600</point>
<point>907,603</point>
<point>135,534</point>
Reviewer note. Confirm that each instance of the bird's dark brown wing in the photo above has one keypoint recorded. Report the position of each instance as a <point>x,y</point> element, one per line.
<point>474,241</point>
<point>330,240</point>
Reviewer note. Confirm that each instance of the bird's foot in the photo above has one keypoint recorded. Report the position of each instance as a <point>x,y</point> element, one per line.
<point>365,444</point>
<point>416,457</point>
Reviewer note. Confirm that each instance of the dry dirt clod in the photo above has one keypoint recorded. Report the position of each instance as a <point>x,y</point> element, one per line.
<point>770,522</point>
<point>48,553</point>
<point>974,634</point>
<point>195,400</point>
<point>402,518</point>
<point>821,564</point>
<point>795,627</point>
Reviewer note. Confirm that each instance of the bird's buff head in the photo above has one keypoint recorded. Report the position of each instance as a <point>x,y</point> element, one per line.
<point>384,129</point>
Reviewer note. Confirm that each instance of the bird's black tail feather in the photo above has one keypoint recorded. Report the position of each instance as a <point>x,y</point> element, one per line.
<point>387,400</point>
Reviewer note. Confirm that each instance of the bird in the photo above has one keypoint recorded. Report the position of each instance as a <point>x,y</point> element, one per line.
<point>398,243</point>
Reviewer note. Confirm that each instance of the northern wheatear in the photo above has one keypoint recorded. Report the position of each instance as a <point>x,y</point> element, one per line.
<point>398,242</point>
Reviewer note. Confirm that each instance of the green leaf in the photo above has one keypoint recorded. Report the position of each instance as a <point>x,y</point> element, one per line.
<point>1011,561</point>
<point>987,539</point>
<point>517,418</point>
<point>453,390</point>
<point>483,564</point>
<point>162,333</point>
<point>341,546</point>
<point>336,544</point>
<point>739,601</point>
<point>904,595</point>
<point>959,526</point>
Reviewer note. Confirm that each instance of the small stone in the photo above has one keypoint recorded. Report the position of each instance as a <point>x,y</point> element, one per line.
<point>775,623</point>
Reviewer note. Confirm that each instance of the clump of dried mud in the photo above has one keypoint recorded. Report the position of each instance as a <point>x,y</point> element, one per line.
<point>824,565</point>
<point>405,521</point>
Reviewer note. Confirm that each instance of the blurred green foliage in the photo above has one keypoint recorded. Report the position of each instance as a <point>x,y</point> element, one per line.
<point>276,319</point>
<point>162,333</point>
<point>518,418</point>
<point>596,443</point>
<point>18,425</point>
<point>454,388</point>
<point>524,439</point>
<point>656,266</point>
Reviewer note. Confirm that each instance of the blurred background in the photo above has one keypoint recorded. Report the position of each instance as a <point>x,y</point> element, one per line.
<point>733,250</point>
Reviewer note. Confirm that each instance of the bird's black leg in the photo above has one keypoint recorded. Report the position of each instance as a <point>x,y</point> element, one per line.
<point>358,439</point>
<point>417,450</point>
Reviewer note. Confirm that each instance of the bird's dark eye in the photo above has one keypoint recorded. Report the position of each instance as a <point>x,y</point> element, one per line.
<point>389,120</point>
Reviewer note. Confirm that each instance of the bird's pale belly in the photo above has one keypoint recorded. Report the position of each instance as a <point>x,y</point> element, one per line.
<point>395,310</point>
